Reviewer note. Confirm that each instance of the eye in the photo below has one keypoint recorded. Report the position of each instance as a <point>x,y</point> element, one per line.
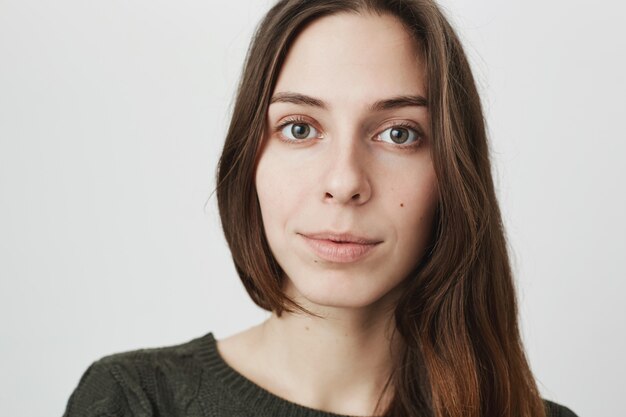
<point>401,135</point>
<point>296,131</point>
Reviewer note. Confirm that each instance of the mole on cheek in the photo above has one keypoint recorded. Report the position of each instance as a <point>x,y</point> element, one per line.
<point>401,204</point>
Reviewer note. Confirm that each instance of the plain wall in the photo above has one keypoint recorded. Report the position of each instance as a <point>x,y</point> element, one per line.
<point>112,116</point>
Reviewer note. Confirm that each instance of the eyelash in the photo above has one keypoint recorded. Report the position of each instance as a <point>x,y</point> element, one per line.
<point>302,120</point>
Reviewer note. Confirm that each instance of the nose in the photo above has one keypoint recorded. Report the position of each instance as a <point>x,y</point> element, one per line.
<point>346,179</point>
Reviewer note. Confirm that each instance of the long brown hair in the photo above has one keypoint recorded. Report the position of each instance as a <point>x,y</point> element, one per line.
<point>458,316</point>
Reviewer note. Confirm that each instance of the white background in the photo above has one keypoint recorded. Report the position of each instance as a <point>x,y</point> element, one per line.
<point>112,116</point>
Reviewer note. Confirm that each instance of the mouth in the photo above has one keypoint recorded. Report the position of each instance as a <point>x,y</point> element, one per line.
<point>342,238</point>
<point>340,248</point>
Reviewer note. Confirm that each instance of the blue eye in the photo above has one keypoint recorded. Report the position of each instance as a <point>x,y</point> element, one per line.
<point>400,135</point>
<point>298,131</point>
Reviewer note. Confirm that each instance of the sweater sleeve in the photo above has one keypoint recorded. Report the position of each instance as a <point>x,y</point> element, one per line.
<point>98,394</point>
<point>557,410</point>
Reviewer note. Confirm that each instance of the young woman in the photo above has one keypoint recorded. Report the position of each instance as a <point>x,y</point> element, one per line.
<point>356,196</point>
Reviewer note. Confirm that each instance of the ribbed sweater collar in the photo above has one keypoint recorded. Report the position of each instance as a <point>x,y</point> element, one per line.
<point>253,397</point>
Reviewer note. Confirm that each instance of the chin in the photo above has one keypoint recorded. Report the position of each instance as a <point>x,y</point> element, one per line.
<point>336,292</point>
<point>337,301</point>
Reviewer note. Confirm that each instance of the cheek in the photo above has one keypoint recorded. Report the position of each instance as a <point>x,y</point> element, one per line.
<point>421,196</point>
<point>268,183</point>
<point>278,188</point>
<point>412,204</point>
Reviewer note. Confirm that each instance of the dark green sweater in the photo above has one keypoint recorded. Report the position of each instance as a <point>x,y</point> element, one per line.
<point>190,380</point>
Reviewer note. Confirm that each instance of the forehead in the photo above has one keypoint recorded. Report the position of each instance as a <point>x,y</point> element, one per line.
<point>357,57</point>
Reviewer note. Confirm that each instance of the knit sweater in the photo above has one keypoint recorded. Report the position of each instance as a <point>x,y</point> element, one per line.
<point>191,380</point>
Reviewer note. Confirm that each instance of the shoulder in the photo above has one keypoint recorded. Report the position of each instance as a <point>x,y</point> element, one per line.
<point>135,382</point>
<point>557,410</point>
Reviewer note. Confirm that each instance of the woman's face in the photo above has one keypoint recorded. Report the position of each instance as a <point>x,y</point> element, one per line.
<point>347,150</point>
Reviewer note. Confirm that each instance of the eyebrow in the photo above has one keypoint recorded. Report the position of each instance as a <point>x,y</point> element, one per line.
<point>380,105</point>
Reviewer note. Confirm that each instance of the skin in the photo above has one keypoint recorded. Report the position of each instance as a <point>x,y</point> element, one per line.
<point>347,174</point>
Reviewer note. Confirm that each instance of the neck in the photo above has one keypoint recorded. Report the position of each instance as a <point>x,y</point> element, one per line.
<point>338,363</point>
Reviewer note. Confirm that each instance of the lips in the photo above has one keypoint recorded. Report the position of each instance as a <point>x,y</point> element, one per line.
<point>340,247</point>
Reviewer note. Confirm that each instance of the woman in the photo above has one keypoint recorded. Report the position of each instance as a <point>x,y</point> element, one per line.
<point>356,196</point>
